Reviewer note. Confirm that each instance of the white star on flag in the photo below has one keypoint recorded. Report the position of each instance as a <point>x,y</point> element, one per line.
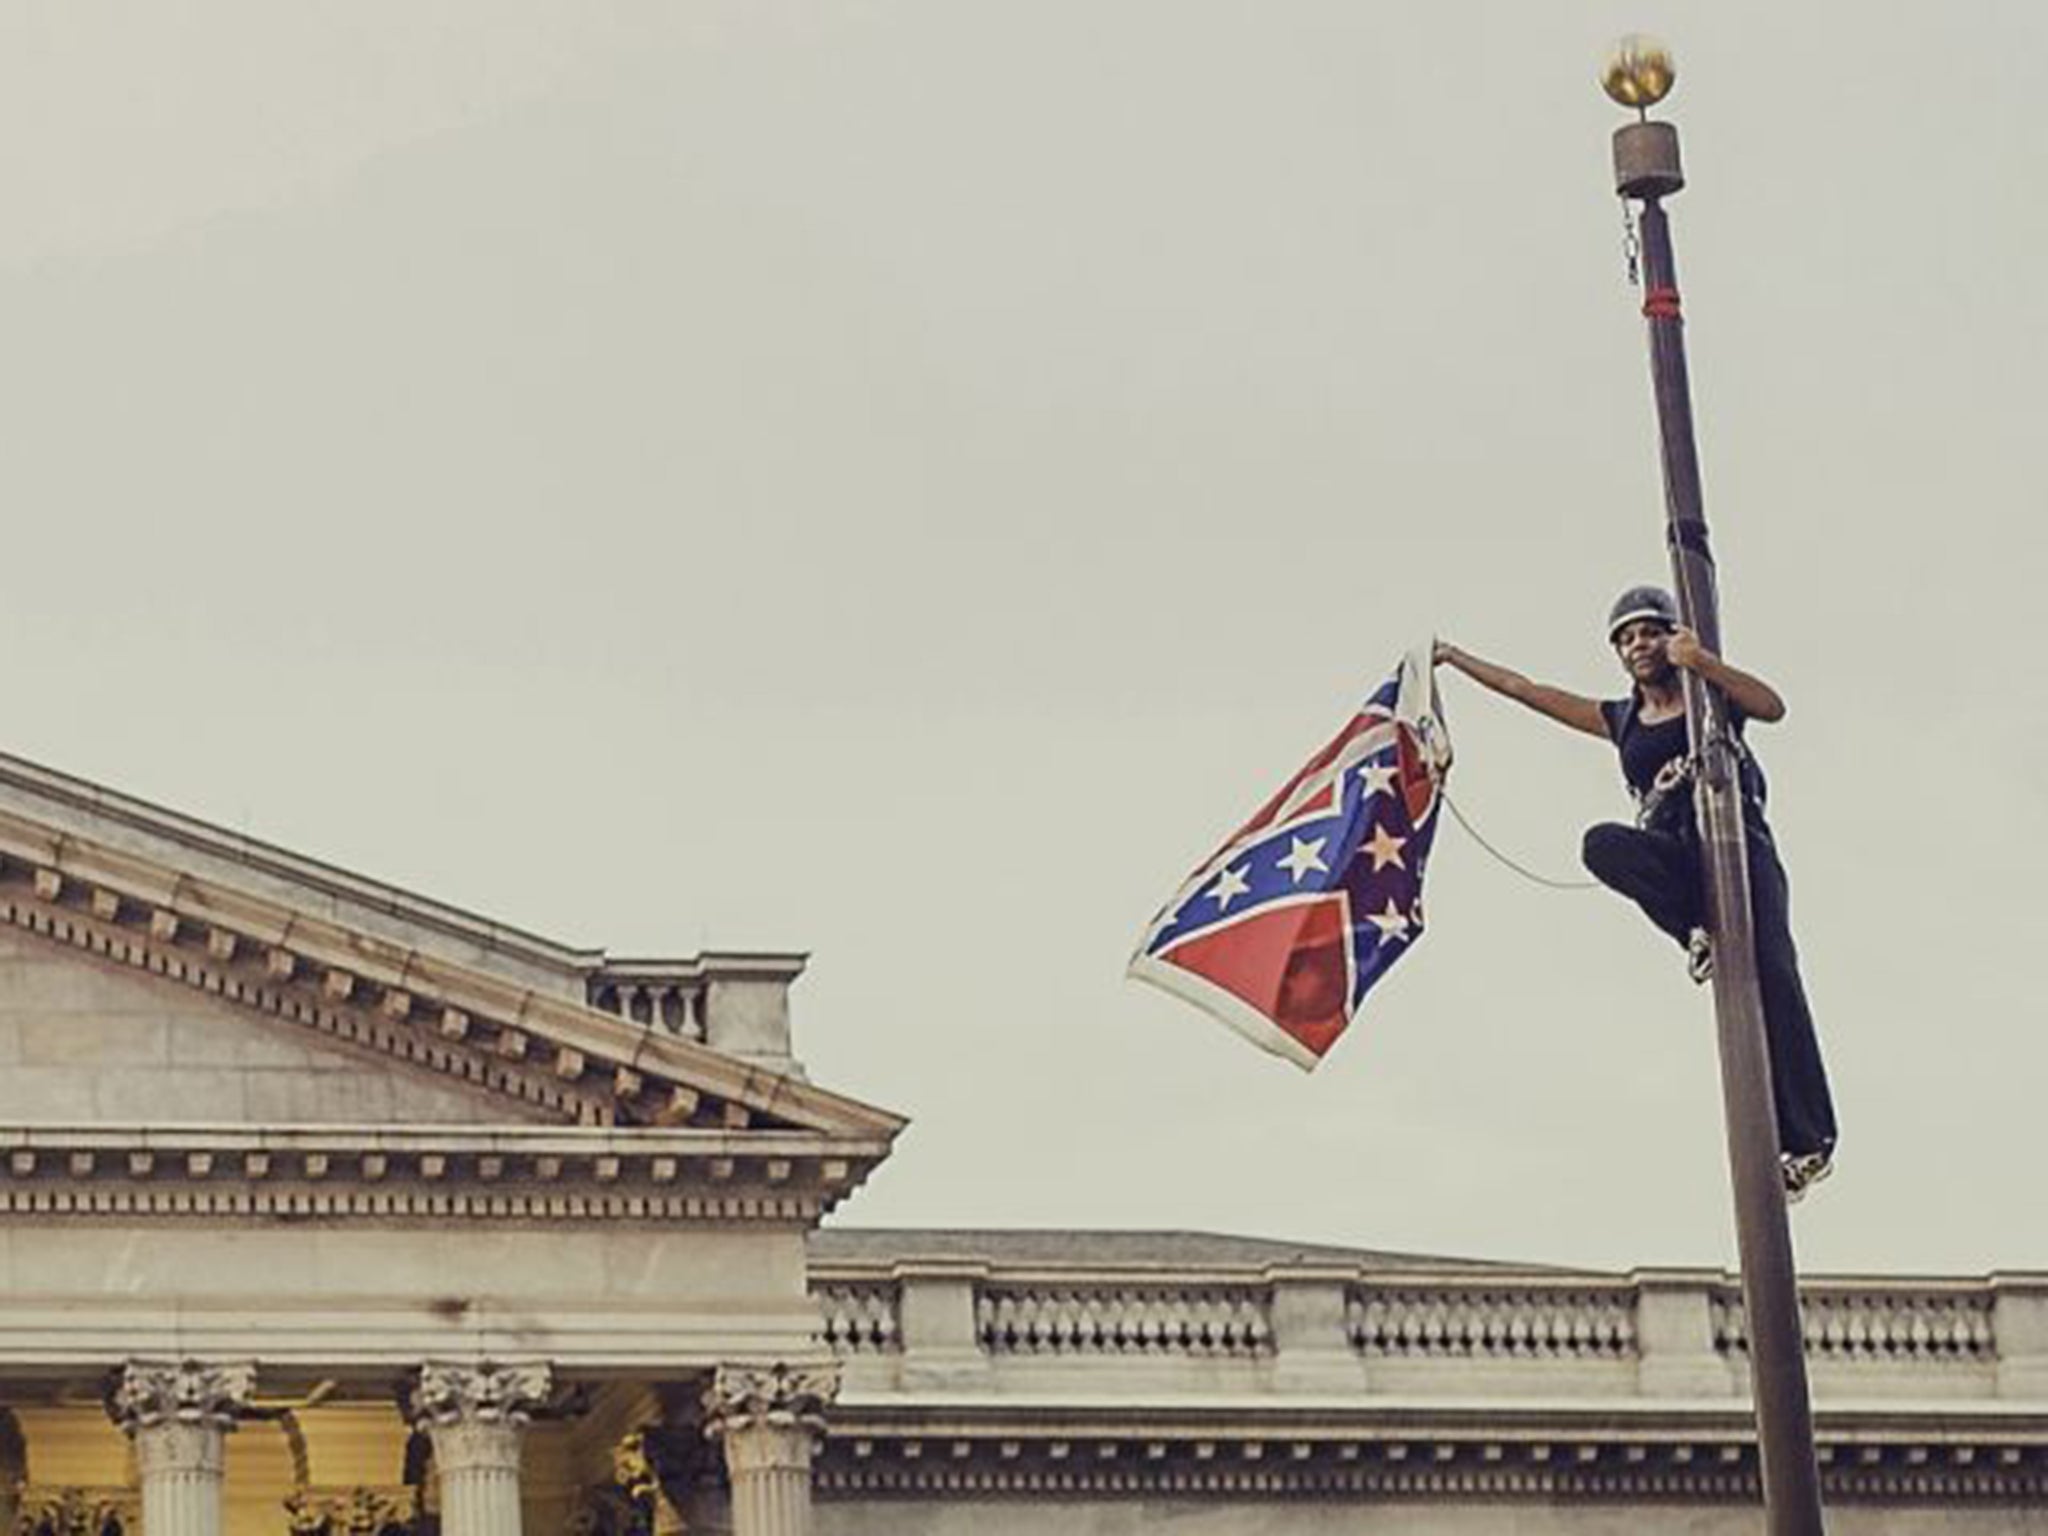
<point>1385,849</point>
<point>1231,883</point>
<point>1304,857</point>
<point>1378,777</point>
<point>1392,923</point>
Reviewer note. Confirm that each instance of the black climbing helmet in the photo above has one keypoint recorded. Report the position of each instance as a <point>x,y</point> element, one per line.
<point>1641,603</point>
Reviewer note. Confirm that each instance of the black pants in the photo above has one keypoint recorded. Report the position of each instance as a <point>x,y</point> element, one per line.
<point>1660,872</point>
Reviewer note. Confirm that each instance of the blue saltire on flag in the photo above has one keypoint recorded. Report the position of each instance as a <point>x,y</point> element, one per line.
<point>1282,932</point>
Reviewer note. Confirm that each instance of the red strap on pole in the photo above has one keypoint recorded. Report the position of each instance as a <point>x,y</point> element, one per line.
<point>1661,304</point>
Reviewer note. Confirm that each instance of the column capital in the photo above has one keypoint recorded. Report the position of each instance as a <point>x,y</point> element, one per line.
<point>476,1414</point>
<point>778,1396</point>
<point>769,1419</point>
<point>446,1394</point>
<point>201,1394</point>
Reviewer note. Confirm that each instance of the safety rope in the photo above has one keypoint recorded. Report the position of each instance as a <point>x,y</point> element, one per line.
<point>1521,869</point>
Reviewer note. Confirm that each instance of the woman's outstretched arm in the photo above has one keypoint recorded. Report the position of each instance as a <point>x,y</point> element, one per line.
<point>1559,704</point>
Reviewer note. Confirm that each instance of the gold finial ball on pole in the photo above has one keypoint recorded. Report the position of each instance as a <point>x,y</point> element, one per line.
<point>1639,73</point>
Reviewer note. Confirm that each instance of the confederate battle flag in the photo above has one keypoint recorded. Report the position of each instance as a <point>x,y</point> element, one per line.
<point>1284,930</point>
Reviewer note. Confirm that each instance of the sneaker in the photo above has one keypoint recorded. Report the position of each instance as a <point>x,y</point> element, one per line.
<point>1699,956</point>
<point>1795,1181</point>
<point>1804,1170</point>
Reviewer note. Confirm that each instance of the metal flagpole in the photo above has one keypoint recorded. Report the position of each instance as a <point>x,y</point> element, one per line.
<point>1647,169</point>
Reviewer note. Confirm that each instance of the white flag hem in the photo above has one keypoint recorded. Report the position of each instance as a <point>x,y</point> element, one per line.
<point>1223,1006</point>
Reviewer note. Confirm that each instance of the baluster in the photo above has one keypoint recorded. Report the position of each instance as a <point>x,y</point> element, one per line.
<point>1419,1328</point>
<point>1588,1330</point>
<point>1431,1325</point>
<point>1859,1327</point>
<point>1920,1335</point>
<point>1114,1323</point>
<point>1177,1336</point>
<point>1037,1321</point>
<point>1059,1318</point>
<point>1175,1333</point>
<point>1618,1336</point>
<point>1979,1330</point>
<point>1223,1321</point>
<point>1120,1320</point>
<point>1170,1320</point>
<point>1521,1320</point>
<point>1257,1330</point>
<point>1469,1320</point>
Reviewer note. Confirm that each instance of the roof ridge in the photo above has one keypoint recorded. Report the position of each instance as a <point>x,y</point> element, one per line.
<point>267,857</point>
<point>1170,1244</point>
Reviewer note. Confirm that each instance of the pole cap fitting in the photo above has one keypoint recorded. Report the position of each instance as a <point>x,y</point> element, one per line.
<point>1646,160</point>
<point>1639,73</point>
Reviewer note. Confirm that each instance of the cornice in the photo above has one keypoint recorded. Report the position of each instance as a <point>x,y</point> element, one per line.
<point>427,1174</point>
<point>1628,1450</point>
<point>546,1052</point>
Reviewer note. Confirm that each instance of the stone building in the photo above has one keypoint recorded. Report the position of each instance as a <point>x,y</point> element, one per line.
<point>332,1210</point>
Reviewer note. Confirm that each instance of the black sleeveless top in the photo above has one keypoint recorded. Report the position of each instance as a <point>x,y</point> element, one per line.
<point>1646,749</point>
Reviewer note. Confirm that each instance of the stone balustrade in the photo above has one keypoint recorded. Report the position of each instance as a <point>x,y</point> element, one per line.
<point>736,1004</point>
<point>1925,1324</point>
<point>861,1317</point>
<point>1514,1322</point>
<point>663,995</point>
<point>1656,1333</point>
<point>1123,1319</point>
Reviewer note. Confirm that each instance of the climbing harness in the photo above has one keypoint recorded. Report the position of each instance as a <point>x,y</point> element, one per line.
<point>1675,775</point>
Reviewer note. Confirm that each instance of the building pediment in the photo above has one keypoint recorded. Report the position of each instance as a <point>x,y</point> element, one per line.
<point>471,1020</point>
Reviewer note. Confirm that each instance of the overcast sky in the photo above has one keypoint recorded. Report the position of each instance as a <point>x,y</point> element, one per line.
<point>898,479</point>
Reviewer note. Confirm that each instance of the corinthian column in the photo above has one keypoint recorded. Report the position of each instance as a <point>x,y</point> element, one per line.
<point>476,1416</point>
<point>769,1419</point>
<point>178,1415</point>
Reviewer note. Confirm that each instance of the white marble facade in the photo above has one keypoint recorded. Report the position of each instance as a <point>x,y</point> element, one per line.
<point>1230,1385</point>
<point>332,1210</point>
